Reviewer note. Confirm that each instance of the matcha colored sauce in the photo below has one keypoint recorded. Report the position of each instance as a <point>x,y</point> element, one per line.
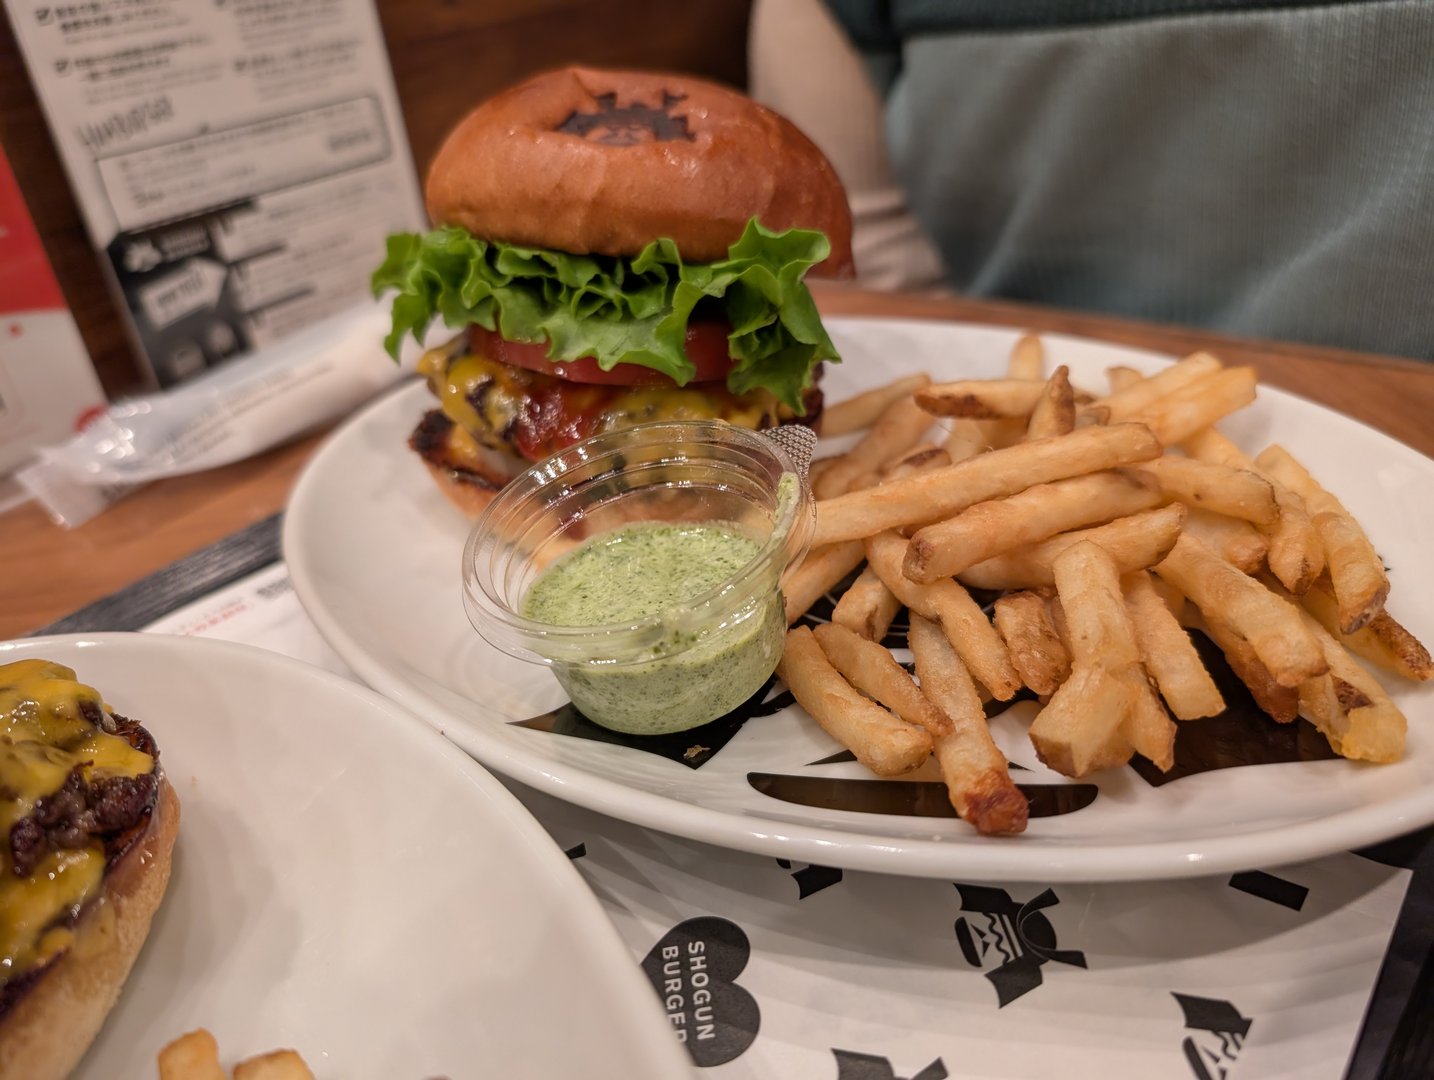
<point>642,570</point>
<point>636,571</point>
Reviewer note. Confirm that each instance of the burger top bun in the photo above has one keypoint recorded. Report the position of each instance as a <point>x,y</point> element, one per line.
<point>603,162</point>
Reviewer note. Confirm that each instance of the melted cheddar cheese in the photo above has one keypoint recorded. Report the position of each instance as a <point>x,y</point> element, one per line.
<point>43,736</point>
<point>507,407</point>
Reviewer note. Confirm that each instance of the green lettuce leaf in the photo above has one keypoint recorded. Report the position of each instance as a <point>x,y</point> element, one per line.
<point>630,311</point>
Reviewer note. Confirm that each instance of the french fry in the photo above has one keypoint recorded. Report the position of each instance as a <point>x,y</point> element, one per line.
<point>982,399</point>
<point>1236,493</point>
<point>1101,636</point>
<point>1382,641</point>
<point>1295,553</point>
<point>1079,730</point>
<point>192,1056</point>
<point>962,620</point>
<point>1037,653</point>
<point>1237,542</point>
<point>966,439</point>
<point>1141,393</point>
<point>900,427</point>
<point>1208,444</point>
<point>821,571</point>
<point>1319,701</point>
<point>874,671</point>
<point>1054,411</point>
<point>1099,626</point>
<point>1178,415</point>
<point>1356,573</point>
<point>1371,727</point>
<point>862,411</point>
<point>1147,727</point>
<point>978,781</point>
<point>884,744</point>
<point>987,529</point>
<point>916,500</point>
<point>1272,625</point>
<point>1281,703</point>
<point>1169,595</point>
<point>1167,652</point>
<point>921,458</point>
<point>1121,378</point>
<point>1028,358</point>
<point>1134,542</point>
<point>867,608</point>
<point>278,1065</point>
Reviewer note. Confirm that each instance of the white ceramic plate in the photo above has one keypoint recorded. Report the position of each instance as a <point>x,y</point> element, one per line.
<point>348,884</point>
<point>375,552</point>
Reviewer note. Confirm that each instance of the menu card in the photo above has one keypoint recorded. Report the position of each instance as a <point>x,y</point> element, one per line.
<point>769,968</point>
<point>238,162</point>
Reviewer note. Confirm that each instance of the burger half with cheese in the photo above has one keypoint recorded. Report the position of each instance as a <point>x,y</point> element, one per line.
<point>89,825</point>
<point>616,247</point>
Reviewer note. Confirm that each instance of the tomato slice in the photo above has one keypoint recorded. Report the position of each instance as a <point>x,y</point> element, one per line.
<point>706,347</point>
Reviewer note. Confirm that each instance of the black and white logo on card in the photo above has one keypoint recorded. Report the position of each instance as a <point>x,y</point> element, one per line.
<point>1010,940</point>
<point>694,969</point>
<point>1218,1035</point>
<point>854,1066</point>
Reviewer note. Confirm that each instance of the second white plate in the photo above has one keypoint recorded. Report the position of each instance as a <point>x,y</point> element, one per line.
<point>374,552</point>
<point>349,885</point>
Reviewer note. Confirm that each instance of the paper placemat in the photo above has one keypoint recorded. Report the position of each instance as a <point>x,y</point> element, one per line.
<point>772,969</point>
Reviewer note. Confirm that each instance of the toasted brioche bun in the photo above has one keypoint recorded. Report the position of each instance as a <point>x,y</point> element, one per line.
<point>46,1032</point>
<point>604,162</point>
<point>470,492</point>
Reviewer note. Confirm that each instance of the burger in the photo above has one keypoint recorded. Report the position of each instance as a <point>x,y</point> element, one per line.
<point>89,824</point>
<point>615,247</point>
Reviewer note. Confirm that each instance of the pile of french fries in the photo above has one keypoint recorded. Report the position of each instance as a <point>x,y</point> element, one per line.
<point>1109,525</point>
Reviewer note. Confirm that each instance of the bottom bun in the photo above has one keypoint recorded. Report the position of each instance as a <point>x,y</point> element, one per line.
<point>468,491</point>
<point>46,1032</point>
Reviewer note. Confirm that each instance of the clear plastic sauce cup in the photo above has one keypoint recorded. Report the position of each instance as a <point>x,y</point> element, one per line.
<point>696,658</point>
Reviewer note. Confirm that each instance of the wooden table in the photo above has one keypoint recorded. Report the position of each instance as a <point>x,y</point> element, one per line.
<point>49,572</point>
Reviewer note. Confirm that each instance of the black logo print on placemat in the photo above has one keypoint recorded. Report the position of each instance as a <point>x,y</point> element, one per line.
<point>1268,887</point>
<point>1015,937</point>
<point>693,748</point>
<point>694,970</point>
<point>812,878</point>
<point>854,1066</point>
<point>1220,1034</point>
<point>628,125</point>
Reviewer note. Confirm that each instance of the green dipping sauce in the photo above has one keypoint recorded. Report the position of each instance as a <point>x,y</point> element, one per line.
<point>641,570</point>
